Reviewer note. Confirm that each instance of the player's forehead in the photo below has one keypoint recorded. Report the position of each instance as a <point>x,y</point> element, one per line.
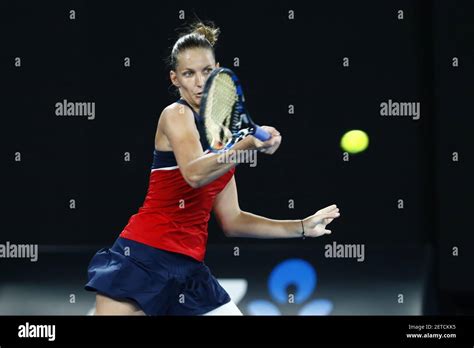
<point>195,58</point>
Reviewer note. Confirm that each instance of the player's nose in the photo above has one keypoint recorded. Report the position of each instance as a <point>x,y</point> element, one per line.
<point>199,80</point>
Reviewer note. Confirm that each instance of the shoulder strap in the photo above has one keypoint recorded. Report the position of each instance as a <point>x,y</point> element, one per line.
<point>199,124</point>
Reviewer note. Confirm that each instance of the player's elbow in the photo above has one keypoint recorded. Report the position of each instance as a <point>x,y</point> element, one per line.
<point>193,181</point>
<point>230,226</point>
<point>229,232</point>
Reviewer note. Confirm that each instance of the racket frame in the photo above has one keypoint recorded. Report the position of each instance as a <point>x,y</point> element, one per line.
<point>239,113</point>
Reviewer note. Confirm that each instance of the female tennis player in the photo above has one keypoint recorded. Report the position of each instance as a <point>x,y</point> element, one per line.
<point>155,266</point>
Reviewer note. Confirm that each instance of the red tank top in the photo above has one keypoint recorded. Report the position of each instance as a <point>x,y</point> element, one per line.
<point>175,216</point>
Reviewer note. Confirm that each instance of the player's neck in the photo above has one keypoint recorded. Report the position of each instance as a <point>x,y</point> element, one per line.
<point>194,107</point>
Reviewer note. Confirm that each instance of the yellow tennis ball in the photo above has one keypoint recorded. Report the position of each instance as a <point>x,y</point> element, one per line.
<point>355,141</point>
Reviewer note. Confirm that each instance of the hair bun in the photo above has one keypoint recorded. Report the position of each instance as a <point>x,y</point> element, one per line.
<point>210,32</point>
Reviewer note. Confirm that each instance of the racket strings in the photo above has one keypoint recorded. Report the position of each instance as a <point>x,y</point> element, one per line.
<point>221,100</point>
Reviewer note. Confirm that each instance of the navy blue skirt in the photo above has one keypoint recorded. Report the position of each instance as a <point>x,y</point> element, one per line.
<point>158,281</point>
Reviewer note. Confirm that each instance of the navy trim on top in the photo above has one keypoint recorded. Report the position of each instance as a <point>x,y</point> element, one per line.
<point>163,159</point>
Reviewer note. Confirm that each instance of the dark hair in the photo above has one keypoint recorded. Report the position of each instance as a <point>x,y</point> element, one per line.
<point>198,35</point>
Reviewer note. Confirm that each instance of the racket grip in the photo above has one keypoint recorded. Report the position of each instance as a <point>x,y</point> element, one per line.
<point>261,134</point>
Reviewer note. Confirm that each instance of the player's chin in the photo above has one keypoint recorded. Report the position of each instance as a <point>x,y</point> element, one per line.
<point>197,99</point>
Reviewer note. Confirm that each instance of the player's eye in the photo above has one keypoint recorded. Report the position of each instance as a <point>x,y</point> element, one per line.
<point>187,74</point>
<point>207,71</point>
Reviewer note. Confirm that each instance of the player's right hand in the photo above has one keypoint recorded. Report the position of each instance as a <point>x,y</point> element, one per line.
<point>270,146</point>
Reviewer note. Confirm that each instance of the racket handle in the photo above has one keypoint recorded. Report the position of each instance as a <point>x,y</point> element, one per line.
<point>261,134</point>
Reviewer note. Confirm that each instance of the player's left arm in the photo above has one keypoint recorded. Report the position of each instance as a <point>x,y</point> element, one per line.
<point>237,223</point>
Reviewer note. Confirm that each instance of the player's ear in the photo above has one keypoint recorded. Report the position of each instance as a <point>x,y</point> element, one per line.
<point>218,65</point>
<point>174,78</point>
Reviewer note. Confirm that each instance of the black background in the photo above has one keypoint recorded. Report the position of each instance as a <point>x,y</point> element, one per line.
<point>282,62</point>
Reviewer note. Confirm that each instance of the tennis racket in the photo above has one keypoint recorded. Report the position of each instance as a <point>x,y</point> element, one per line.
<point>226,120</point>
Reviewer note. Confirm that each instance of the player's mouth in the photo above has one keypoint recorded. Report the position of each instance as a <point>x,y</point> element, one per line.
<point>199,95</point>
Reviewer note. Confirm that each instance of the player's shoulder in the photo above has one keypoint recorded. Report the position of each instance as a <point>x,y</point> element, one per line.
<point>177,112</point>
<point>177,109</point>
<point>177,115</point>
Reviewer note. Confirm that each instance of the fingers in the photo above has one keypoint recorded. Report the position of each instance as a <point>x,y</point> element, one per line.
<point>273,131</point>
<point>327,220</point>
<point>328,209</point>
<point>274,140</point>
<point>275,137</point>
<point>271,145</point>
<point>332,215</point>
<point>325,216</point>
<point>322,232</point>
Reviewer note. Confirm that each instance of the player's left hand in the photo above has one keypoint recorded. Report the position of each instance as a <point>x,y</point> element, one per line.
<point>315,225</point>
